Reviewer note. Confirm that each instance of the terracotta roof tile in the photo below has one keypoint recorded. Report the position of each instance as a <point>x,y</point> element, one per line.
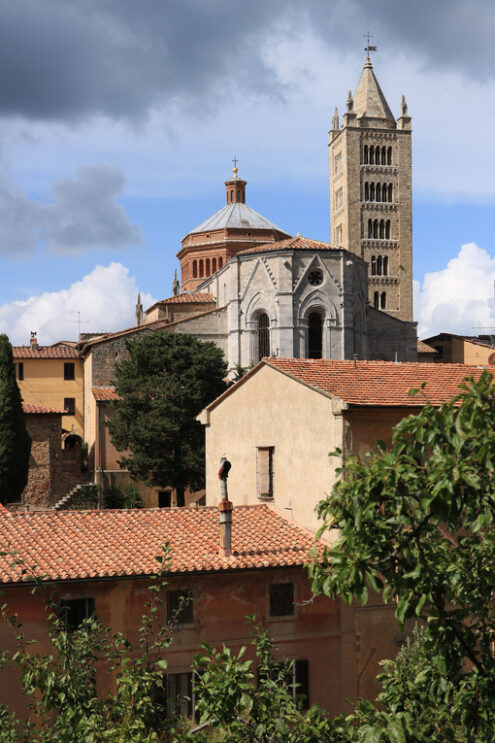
<point>292,243</point>
<point>104,393</point>
<point>375,383</point>
<point>45,352</point>
<point>188,298</point>
<point>72,545</point>
<point>30,407</point>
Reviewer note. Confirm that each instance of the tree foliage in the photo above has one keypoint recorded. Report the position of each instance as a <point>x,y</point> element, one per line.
<point>15,443</point>
<point>163,385</point>
<point>416,525</point>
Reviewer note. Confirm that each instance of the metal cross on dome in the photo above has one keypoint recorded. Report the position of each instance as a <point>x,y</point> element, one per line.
<point>235,161</point>
<point>369,48</point>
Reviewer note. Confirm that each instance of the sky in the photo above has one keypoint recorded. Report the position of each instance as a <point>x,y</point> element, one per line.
<point>119,121</point>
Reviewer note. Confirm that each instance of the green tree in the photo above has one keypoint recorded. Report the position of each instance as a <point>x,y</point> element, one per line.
<point>163,385</point>
<point>416,525</point>
<point>15,443</point>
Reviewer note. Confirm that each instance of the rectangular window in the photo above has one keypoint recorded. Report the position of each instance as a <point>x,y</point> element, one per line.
<point>164,498</point>
<point>339,198</point>
<point>20,371</point>
<point>281,599</point>
<point>296,678</point>
<point>338,235</point>
<point>264,472</point>
<point>338,163</point>
<point>180,608</point>
<point>74,611</point>
<point>69,371</point>
<point>70,405</point>
<point>180,695</point>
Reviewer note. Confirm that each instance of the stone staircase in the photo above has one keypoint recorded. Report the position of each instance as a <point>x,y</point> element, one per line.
<point>82,497</point>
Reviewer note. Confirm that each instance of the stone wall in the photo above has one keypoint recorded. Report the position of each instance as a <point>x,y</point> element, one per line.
<point>387,336</point>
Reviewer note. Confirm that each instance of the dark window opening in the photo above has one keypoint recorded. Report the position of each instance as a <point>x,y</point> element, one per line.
<point>372,155</point>
<point>366,191</point>
<point>281,599</point>
<point>207,269</point>
<point>385,266</point>
<point>20,371</point>
<point>378,192</point>
<point>180,608</point>
<point>383,300</point>
<point>263,323</point>
<point>195,269</point>
<point>387,229</point>
<point>373,265</point>
<point>70,405</point>
<point>315,335</point>
<point>180,695</point>
<point>376,300</point>
<point>390,192</point>
<point>295,676</point>
<point>69,371</point>
<point>220,262</point>
<point>201,269</point>
<point>264,472</point>
<point>213,265</point>
<point>389,156</point>
<point>164,498</point>
<point>73,611</point>
<point>365,154</point>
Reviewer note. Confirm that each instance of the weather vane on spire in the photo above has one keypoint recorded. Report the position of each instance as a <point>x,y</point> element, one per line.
<point>234,169</point>
<point>369,48</point>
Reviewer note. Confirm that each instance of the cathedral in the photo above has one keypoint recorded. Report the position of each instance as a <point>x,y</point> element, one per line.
<point>296,297</point>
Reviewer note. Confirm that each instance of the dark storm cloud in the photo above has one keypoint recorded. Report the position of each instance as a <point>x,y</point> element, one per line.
<point>67,59</point>
<point>84,216</point>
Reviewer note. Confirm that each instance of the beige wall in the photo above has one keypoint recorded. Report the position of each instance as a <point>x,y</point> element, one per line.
<point>271,410</point>
<point>44,384</point>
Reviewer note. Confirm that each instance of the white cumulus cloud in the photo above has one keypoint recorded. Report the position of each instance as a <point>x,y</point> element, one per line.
<point>459,298</point>
<point>106,299</point>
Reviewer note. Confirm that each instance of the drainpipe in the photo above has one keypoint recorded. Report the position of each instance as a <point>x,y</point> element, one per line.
<point>225,507</point>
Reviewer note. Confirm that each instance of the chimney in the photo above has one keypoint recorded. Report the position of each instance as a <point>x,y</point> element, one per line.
<point>33,342</point>
<point>225,507</point>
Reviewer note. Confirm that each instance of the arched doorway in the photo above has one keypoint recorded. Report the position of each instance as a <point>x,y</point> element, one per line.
<point>315,335</point>
<point>263,328</point>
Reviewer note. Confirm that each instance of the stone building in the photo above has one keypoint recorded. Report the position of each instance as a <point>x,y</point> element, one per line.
<point>371,192</point>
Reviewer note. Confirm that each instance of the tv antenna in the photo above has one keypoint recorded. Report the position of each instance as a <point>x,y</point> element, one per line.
<point>79,321</point>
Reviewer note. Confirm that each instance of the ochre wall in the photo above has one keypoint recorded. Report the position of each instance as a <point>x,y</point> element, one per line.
<point>366,425</point>
<point>271,410</point>
<point>44,384</point>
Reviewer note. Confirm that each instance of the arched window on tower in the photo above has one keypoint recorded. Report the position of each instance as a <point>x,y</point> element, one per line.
<point>220,262</point>
<point>370,229</point>
<point>376,300</point>
<point>213,265</point>
<point>372,155</point>
<point>263,328</point>
<point>390,192</point>
<point>366,191</point>
<point>384,155</point>
<point>382,229</point>
<point>195,269</point>
<point>385,266</point>
<point>375,228</point>
<point>373,265</point>
<point>379,266</point>
<point>315,335</point>
<point>387,229</point>
<point>378,192</point>
<point>232,195</point>
<point>365,154</point>
<point>372,191</point>
<point>383,300</point>
<point>389,156</point>
<point>201,269</point>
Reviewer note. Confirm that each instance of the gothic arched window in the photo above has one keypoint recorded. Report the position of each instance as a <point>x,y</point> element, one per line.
<point>315,335</point>
<point>365,154</point>
<point>213,265</point>
<point>372,155</point>
<point>378,192</point>
<point>372,192</point>
<point>382,229</point>
<point>389,156</point>
<point>263,328</point>
<point>384,155</point>
<point>207,269</point>
<point>375,228</point>
<point>195,269</point>
<point>201,269</point>
<point>366,191</point>
<point>376,301</point>
<point>387,229</point>
<point>390,192</point>
<point>373,265</point>
<point>370,229</point>
<point>379,266</point>
<point>383,300</point>
<point>385,266</point>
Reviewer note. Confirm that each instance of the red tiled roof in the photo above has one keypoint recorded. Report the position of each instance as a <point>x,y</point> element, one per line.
<point>379,382</point>
<point>30,407</point>
<point>72,545</point>
<point>425,348</point>
<point>104,393</point>
<point>292,243</point>
<point>188,298</point>
<point>45,352</point>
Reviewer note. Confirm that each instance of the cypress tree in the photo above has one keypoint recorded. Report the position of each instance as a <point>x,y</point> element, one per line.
<point>15,443</point>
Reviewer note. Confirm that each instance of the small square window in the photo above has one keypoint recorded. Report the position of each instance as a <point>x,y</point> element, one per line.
<point>73,611</point>
<point>70,405</point>
<point>20,371</point>
<point>164,498</point>
<point>180,607</point>
<point>281,599</point>
<point>69,371</point>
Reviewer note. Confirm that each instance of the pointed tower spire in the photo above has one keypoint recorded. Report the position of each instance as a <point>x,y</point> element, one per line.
<point>175,285</point>
<point>335,119</point>
<point>139,310</point>
<point>369,101</point>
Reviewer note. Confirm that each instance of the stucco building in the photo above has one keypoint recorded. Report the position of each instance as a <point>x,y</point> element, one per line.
<point>279,423</point>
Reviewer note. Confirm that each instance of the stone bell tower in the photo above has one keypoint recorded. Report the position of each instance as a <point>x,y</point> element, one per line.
<point>371,192</point>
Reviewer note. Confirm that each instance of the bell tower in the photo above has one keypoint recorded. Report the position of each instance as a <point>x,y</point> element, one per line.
<point>371,192</point>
